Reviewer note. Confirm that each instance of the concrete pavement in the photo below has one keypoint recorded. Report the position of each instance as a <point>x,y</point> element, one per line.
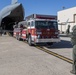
<point>18,58</point>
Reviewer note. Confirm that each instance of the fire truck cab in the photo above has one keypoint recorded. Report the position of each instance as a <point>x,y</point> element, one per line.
<point>39,29</point>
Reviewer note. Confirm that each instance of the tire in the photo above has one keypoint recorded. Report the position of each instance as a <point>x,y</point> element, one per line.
<point>18,37</point>
<point>29,40</point>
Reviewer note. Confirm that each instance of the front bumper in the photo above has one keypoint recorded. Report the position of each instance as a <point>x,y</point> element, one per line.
<point>47,40</point>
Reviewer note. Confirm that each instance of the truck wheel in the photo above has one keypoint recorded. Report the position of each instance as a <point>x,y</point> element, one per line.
<point>18,37</point>
<point>29,40</point>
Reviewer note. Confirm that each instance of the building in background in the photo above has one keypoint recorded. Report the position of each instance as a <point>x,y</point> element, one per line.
<point>66,17</point>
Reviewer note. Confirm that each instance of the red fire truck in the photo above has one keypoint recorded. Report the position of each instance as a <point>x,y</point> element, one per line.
<point>38,29</point>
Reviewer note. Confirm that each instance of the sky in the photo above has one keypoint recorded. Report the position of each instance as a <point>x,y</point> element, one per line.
<point>47,7</point>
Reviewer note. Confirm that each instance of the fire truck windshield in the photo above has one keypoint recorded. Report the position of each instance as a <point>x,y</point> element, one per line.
<point>46,24</point>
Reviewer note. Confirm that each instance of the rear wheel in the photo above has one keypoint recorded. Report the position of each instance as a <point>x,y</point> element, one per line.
<point>29,40</point>
<point>18,37</point>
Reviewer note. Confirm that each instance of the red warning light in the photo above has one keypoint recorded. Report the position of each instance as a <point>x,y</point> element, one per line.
<point>45,17</point>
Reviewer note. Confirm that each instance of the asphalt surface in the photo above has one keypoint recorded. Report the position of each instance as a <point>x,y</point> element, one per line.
<point>63,48</point>
<point>18,58</point>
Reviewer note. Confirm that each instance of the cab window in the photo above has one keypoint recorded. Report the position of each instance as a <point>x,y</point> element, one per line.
<point>28,23</point>
<point>32,24</point>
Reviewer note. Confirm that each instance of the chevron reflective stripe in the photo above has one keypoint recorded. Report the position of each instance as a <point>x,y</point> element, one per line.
<point>14,34</point>
<point>23,34</point>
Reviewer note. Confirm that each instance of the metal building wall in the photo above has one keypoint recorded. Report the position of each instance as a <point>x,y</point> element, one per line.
<point>66,17</point>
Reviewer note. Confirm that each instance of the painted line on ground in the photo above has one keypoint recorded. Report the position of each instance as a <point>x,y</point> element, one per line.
<point>55,54</point>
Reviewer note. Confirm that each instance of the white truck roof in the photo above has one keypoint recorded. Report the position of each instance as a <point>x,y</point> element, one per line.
<point>39,16</point>
<point>22,23</point>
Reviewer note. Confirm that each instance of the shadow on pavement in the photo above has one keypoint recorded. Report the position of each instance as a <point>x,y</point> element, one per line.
<point>65,35</point>
<point>62,44</point>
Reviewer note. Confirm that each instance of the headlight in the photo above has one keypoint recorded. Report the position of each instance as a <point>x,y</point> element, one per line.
<point>38,37</point>
<point>39,32</point>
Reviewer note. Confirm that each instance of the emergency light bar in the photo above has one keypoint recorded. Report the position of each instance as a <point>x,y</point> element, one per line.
<point>38,16</point>
<point>42,17</point>
<point>46,17</point>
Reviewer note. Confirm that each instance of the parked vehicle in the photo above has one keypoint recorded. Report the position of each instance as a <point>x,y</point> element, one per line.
<point>38,29</point>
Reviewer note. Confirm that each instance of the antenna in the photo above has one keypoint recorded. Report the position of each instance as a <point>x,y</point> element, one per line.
<point>63,7</point>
